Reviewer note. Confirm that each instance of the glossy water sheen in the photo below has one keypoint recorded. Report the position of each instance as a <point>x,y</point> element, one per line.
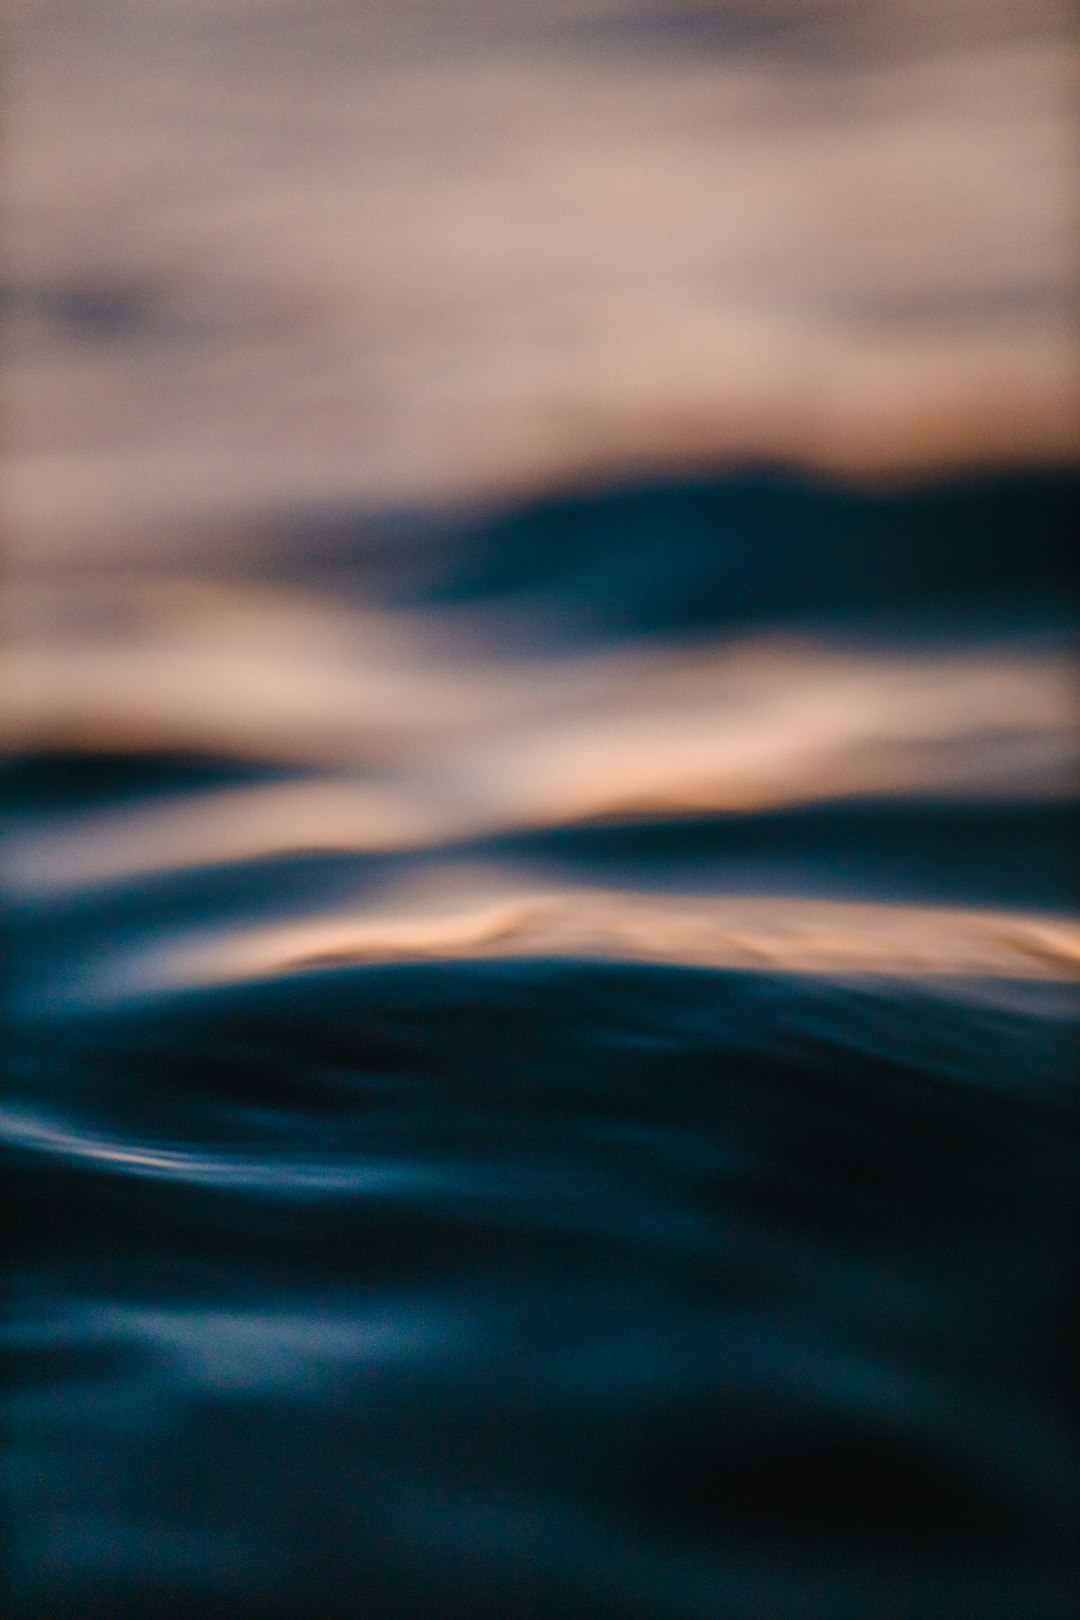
<point>529,1161</point>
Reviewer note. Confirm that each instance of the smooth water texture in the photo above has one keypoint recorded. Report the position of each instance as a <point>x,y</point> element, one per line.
<point>541,1077</point>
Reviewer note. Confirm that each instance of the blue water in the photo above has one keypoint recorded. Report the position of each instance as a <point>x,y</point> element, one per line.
<point>488,1286</point>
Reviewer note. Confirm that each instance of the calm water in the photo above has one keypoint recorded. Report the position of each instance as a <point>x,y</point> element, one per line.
<point>541,1073</point>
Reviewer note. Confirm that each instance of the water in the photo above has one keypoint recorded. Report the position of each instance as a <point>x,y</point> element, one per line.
<point>541,1069</point>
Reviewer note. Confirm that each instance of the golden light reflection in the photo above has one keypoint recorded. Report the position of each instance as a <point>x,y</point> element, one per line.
<point>435,740</point>
<point>783,934</point>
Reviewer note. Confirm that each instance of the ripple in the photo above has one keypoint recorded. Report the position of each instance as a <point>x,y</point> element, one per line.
<point>754,932</point>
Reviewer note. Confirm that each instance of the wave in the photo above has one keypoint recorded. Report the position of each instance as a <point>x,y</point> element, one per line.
<point>477,749</point>
<point>783,934</point>
<point>542,1279</point>
<point>504,1127</point>
<point>773,548</point>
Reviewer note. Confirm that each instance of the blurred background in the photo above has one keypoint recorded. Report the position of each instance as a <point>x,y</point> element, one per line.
<point>266,256</point>
<point>540,771</point>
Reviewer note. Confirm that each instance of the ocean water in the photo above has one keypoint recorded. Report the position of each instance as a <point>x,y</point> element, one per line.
<point>541,1066</point>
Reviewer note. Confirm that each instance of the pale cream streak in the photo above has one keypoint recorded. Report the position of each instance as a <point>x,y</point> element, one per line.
<point>283,673</point>
<point>283,1175</point>
<point>235,825</point>
<point>790,935</point>
<point>244,668</point>
<point>767,725</point>
<point>455,749</point>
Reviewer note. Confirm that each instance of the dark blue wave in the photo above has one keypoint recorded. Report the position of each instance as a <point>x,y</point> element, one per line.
<point>728,550</point>
<point>626,1292</point>
<point>537,1290</point>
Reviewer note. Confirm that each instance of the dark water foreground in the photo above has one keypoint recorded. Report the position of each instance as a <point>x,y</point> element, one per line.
<point>546,1289</point>
<point>553,1287</point>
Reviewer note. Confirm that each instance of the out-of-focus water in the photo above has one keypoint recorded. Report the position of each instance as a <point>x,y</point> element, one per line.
<point>540,764</point>
<point>541,1078</point>
<point>269,253</point>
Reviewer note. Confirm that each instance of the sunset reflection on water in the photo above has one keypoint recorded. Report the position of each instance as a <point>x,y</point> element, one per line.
<point>540,757</point>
